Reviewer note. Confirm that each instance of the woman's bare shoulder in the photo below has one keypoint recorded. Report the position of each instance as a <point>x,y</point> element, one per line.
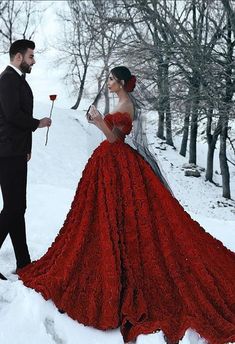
<point>125,107</point>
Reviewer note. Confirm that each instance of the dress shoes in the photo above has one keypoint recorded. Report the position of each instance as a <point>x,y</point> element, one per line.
<point>2,277</point>
<point>22,265</point>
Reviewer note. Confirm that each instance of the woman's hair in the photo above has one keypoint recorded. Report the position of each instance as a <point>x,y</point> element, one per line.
<point>123,73</point>
<point>138,137</point>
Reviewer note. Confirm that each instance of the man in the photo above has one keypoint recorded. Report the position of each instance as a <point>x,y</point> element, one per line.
<point>16,127</point>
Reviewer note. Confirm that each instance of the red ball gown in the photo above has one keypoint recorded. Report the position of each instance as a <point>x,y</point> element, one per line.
<point>129,256</point>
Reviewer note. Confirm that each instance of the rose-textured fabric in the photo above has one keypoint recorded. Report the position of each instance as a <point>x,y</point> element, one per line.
<point>128,254</point>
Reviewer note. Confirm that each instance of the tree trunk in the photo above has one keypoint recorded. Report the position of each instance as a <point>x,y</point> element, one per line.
<point>161,114</point>
<point>167,105</point>
<point>223,159</point>
<point>193,140</point>
<point>76,105</point>
<point>106,96</point>
<point>210,162</point>
<point>160,131</point>
<point>169,139</point>
<point>99,87</point>
<point>211,141</point>
<point>184,142</point>
<point>194,124</point>
<point>195,87</point>
<point>81,89</point>
<point>229,91</point>
<point>106,90</point>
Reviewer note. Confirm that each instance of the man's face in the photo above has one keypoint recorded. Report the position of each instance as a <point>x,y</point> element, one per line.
<point>27,61</point>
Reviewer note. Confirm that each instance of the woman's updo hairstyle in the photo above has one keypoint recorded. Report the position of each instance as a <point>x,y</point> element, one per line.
<point>123,73</point>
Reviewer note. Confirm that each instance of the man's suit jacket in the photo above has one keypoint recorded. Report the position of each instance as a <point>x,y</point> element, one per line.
<point>16,114</point>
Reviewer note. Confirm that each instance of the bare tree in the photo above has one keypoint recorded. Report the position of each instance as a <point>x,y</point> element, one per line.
<point>75,46</point>
<point>107,40</point>
<point>186,125</point>
<point>192,52</point>
<point>81,45</point>
<point>211,141</point>
<point>230,12</point>
<point>19,19</point>
<point>88,39</point>
<point>227,103</point>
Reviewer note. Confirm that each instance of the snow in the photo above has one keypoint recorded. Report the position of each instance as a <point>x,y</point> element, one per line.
<point>54,171</point>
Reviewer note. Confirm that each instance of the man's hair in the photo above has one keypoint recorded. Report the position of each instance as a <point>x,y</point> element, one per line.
<point>20,46</point>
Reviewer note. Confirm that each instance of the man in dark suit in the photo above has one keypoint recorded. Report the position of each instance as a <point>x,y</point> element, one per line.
<point>16,127</point>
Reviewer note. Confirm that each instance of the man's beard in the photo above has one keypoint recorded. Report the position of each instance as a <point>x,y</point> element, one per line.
<point>25,67</point>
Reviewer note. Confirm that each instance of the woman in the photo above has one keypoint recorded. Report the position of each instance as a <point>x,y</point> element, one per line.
<point>128,254</point>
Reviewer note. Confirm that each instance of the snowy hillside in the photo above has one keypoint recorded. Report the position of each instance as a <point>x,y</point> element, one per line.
<point>54,171</point>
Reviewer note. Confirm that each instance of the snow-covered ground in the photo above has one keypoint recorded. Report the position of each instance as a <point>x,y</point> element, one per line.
<point>54,171</point>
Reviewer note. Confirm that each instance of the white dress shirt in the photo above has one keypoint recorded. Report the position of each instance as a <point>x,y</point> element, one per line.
<point>16,69</point>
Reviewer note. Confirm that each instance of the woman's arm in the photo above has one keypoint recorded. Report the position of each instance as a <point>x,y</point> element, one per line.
<point>96,118</point>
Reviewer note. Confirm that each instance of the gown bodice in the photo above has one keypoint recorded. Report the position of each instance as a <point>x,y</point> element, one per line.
<point>121,122</point>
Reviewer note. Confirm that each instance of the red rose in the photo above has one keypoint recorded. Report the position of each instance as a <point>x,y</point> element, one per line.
<point>130,85</point>
<point>53,96</point>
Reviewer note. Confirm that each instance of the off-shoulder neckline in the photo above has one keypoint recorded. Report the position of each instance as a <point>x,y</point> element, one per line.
<point>121,113</point>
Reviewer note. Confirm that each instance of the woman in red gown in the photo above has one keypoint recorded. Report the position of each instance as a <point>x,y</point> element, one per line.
<point>128,254</point>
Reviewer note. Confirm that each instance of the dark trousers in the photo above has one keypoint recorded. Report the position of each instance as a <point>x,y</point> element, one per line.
<point>13,179</point>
